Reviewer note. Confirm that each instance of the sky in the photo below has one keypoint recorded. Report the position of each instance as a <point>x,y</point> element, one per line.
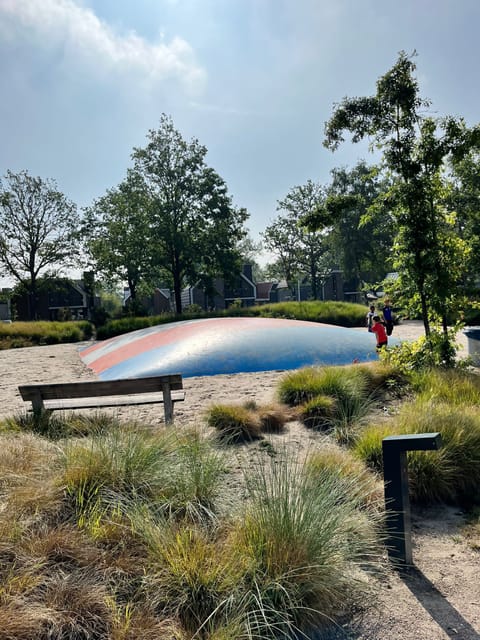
<point>83,81</point>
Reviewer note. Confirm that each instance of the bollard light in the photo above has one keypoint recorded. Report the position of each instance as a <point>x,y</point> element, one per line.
<point>397,501</point>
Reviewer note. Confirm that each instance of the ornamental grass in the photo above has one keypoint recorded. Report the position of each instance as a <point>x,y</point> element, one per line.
<point>451,474</point>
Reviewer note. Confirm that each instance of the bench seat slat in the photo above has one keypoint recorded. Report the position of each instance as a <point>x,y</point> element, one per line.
<point>108,401</point>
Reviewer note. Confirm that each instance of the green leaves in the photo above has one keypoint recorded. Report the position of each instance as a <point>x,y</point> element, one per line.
<point>427,252</point>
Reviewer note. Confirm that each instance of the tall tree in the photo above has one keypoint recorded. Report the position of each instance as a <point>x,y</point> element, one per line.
<point>38,230</point>
<point>195,228</point>
<point>415,148</point>
<point>298,250</point>
<point>117,232</point>
<point>362,246</point>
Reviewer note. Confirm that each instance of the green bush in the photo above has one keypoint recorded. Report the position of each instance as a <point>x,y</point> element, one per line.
<point>318,412</point>
<point>234,423</point>
<point>122,471</point>
<point>306,534</point>
<point>455,386</point>
<point>24,334</point>
<point>344,314</point>
<point>436,350</point>
<point>451,474</point>
<point>297,387</point>
<point>58,425</point>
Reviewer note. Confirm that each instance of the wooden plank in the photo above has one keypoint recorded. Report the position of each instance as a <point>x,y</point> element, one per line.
<point>108,401</point>
<point>100,387</point>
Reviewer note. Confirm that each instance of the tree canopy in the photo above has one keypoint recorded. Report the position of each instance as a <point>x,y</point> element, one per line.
<point>194,227</point>
<point>415,148</point>
<point>38,230</point>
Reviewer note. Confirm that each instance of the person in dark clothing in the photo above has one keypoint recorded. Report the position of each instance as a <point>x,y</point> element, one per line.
<point>388,317</point>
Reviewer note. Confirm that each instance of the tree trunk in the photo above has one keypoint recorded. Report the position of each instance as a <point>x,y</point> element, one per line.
<point>426,321</point>
<point>177,289</point>
<point>32,299</point>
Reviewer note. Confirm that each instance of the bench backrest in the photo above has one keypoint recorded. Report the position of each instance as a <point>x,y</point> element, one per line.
<point>95,388</point>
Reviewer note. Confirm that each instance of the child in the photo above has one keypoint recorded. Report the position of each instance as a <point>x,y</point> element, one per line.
<point>379,330</point>
<point>388,317</point>
<point>370,315</point>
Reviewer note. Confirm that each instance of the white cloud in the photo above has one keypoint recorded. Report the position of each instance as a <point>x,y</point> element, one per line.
<point>90,41</point>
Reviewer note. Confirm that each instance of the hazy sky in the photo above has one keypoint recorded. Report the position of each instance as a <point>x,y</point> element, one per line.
<point>82,82</point>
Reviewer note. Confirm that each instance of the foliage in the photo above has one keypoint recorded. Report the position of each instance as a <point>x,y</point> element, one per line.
<point>38,230</point>
<point>362,246</point>
<point>338,313</point>
<point>318,412</point>
<point>451,474</point>
<point>305,533</point>
<point>436,349</point>
<point>299,251</point>
<point>343,464</point>
<point>25,334</point>
<point>57,426</point>
<point>193,226</point>
<point>429,255</point>
<point>117,234</point>
<point>455,386</point>
<point>345,314</point>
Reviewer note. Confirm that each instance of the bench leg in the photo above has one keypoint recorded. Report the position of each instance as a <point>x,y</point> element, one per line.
<point>37,403</point>
<point>168,404</point>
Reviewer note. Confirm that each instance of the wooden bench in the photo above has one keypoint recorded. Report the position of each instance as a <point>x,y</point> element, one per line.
<point>108,393</point>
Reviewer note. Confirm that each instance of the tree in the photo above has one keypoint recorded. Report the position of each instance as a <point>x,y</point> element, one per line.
<point>117,231</point>
<point>299,250</point>
<point>415,148</point>
<point>194,227</point>
<point>361,246</point>
<point>38,231</point>
<point>464,200</point>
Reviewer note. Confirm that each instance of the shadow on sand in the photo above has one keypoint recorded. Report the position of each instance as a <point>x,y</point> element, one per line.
<point>437,606</point>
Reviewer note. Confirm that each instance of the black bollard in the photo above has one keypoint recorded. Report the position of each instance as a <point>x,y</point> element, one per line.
<point>397,501</point>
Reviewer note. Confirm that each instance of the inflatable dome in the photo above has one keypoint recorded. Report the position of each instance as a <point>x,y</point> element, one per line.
<point>215,346</point>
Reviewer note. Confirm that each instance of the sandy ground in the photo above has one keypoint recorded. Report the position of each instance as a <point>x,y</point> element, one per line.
<point>438,599</point>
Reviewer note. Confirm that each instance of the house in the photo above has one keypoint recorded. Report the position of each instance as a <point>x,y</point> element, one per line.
<point>156,304</point>
<point>56,299</point>
<point>223,294</point>
<point>242,290</point>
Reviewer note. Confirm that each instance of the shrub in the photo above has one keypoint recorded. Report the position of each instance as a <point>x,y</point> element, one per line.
<point>234,424</point>
<point>23,334</point>
<point>120,471</point>
<point>360,480</point>
<point>451,474</point>
<point>318,412</point>
<point>455,386</point>
<point>307,539</point>
<point>344,314</point>
<point>273,417</point>
<point>195,578</point>
<point>368,445</point>
<point>297,387</point>
<point>426,352</point>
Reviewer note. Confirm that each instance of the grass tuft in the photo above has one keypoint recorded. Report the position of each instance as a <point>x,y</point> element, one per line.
<point>234,423</point>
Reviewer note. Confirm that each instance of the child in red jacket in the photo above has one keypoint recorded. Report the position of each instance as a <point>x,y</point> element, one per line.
<point>379,330</point>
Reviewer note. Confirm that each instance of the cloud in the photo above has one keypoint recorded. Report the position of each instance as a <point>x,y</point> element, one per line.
<point>83,37</point>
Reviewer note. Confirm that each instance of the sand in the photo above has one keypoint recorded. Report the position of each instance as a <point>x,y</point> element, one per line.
<point>438,599</point>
